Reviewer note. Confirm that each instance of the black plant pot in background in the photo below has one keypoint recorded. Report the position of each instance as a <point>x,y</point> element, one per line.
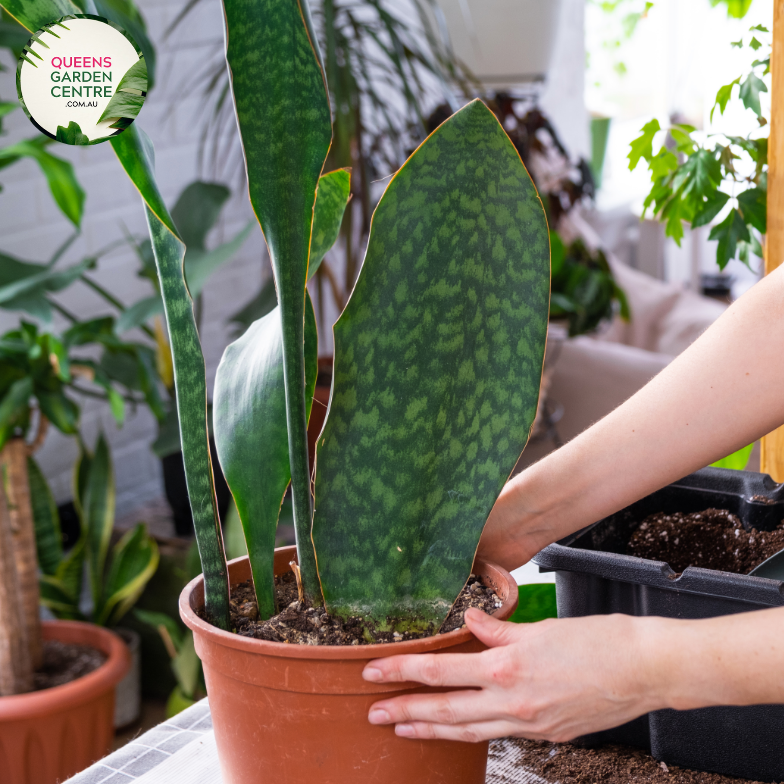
<point>594,577</point>
<point>177,490</point>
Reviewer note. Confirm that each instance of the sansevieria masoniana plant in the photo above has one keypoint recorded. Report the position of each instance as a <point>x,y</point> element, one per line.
<point>438,354</point>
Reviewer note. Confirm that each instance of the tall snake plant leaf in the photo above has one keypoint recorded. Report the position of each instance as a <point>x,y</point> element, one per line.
<point>333,195</point>
<point>46,520</point>
<point>249,421</point>
<point>135,152</point>
<point>438,361</point>
<point>282,105</point>
<point>96,488</point>
<point>134,561</point>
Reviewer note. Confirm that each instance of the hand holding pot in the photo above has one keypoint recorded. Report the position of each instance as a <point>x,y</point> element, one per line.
<point>554,680</point>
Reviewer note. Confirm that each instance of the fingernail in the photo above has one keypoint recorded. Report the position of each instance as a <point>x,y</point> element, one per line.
<point>378,716</point>
<point>372,674</point>
<point>404,730</point>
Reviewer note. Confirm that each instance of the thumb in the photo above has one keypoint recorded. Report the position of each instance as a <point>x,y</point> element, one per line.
<point>492,632</point>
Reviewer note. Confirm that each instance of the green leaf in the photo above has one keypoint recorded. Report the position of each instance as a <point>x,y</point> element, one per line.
<point>164,624</point>
<point>535,603</point>
<point>61,592</point>
<point>754,208</point>
<point>642,147</point>
<point>737,461</point>
<point>48,536</point>
<point>14,403</point>
<point>729,232</point>
<point>72,134</point>
<point>438,360</point>
<point>334,192</point>
<point>284,117</point>
<point>699,176</point>
<point>23,279</point>
<point>723,97</point>
<point>124,103</point>
<point>557,253</point>
<point>60,176</point>
<point>197,211</point>
<point>139,313</point>
<point>750,92</point>
<point>135,152</point>
<point>199,266</point>
<point>60,410</point>
<point>96,506</point>
<point>126,14</point>
<point>134,561</point>
<point>712,207</point>
<point>249,417</point>
<point>35,14</point>
<point>736,9</point>
<point>187,666</point>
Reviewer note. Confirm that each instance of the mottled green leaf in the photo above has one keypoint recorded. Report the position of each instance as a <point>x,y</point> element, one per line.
<point>135,152</point>
<point>535,603</point>
<point>48,537</point>
<point>438,360</point>
<point>249,419</point>
<point>134,561</point>
<point>333,194</point>
<point>283,110</point>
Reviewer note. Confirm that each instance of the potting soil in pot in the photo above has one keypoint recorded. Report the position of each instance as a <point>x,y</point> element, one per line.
<point>565,763</point>
<point>64,662</point>
<point>300,624</point>
<point>713,539</point>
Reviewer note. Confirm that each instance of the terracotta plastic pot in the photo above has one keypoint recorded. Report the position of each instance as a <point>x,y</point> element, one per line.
<point>292,714</point>
<point>48,736</point>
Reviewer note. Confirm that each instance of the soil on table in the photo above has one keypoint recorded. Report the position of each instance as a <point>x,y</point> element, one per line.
<point>301,624</point>
<point>568,764</point>
<point>713,539</point>
<point>64,663</point>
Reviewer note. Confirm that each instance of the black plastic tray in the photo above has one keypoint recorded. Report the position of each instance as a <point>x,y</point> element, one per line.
<point>594,577</point>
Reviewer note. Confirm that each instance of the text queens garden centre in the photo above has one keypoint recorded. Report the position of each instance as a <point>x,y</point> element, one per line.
<point>71,82</point>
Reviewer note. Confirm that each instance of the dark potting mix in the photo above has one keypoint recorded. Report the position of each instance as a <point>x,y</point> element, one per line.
<point>566,763</point>
<point>300,624</point>
<point>64,662</point>
<point>713,539</point>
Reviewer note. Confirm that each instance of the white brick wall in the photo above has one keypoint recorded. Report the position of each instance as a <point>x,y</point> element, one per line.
<point>31,227</point>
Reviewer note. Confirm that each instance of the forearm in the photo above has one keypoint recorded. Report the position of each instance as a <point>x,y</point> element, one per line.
<point>732,660</point>
<point>722,393</point>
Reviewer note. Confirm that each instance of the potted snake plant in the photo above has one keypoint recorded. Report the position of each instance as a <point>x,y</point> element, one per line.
<point>438,360</point>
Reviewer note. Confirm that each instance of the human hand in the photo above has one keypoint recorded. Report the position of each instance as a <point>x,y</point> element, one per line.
<point>554,680</point>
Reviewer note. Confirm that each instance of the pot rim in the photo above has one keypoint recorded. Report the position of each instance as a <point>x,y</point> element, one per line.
<point>338,652</point>
<point>95,683</point>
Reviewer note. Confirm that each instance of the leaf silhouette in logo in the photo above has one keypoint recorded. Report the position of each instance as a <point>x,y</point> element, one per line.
<point>72,134</point>
<point>129,97</point>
